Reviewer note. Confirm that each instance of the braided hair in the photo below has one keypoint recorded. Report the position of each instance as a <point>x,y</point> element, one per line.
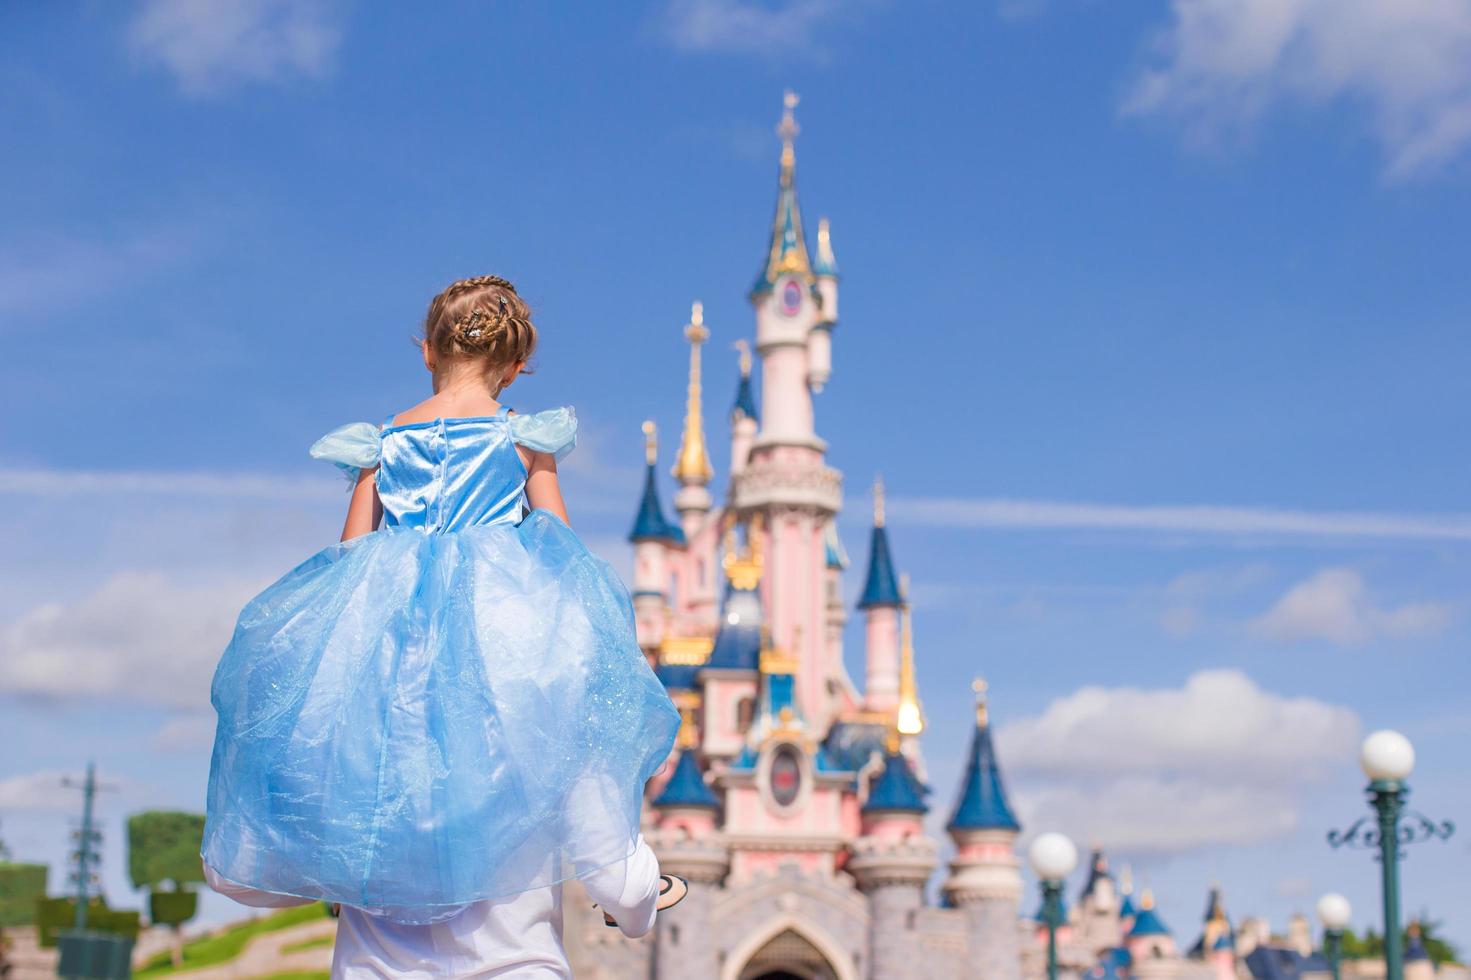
<point>483,318</point>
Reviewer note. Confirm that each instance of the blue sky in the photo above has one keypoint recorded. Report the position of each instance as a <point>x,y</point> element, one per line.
<point>1154,320</point>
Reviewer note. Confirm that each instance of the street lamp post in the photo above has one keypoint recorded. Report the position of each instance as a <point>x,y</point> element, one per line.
<point>1334,913</point>
<point>1053,857</point>
<point>1387,759</point>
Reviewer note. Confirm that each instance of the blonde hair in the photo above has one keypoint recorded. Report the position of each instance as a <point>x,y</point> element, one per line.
<point>482,318</point>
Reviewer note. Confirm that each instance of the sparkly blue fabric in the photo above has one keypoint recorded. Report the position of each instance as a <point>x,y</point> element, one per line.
<point>448,709</point>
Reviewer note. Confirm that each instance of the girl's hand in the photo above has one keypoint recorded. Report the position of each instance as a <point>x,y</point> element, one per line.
<point>542,489</point>
<point>365,510</point>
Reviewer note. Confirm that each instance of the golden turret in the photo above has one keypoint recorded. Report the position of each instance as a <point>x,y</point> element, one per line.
<point>909,717</point>
<point>692,465</point>
<point>687,738</point>
<point>743,566</point>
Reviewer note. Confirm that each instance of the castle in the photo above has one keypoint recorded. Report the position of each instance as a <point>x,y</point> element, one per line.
<point>794,801</point>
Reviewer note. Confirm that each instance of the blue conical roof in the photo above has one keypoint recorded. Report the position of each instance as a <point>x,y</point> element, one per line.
<point>1126,906</point>
<point>881,587</point>
<point>1148,923</point>
<point>745,398</point>
<point>1097,871</point>
<point>650,524</point>
<point>983,803</point>
<point>686,787</point>
<point>896,788</point>
<point>738,642</point>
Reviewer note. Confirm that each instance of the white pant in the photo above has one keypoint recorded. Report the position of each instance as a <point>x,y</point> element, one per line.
<point>519,936</point>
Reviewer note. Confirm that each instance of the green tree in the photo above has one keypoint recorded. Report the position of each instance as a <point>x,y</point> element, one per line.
<point>1371,944</point>
<point>163,849</point>
<point>20,886</point>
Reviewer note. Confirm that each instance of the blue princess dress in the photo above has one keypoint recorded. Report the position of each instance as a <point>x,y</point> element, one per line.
<point>449,709</point>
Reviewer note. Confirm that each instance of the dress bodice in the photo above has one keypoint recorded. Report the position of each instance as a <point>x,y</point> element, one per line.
<point>450,474</point>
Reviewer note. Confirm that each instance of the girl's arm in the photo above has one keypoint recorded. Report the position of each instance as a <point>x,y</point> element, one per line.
<point>542,489</point>
<point>365,510</point>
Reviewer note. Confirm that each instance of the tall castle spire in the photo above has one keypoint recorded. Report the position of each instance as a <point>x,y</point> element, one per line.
<point>692,465</point>
<point>910,716</point>
<point>788,251</point>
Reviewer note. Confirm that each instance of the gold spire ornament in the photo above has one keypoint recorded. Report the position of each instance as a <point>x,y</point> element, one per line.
<point>651,441</point>
<point>743,346</point>
<point>909,717</point>
<point>693,463</point>
<point>878,500</point>
<point>980,687</point>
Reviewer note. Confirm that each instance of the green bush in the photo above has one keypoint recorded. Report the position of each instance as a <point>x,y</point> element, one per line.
<point>20,886</point>
<point>55,914</point>
<point>172,908</point>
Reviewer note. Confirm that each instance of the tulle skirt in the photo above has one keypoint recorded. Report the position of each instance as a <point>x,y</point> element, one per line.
<point>411,722</point>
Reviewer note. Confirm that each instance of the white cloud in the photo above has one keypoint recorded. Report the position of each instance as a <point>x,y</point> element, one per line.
<point>1334,605</point>
<point>1144,815</point>
<point>212,45</point>
<point>140,638</point>
<point>1221,64</point>
<point>750,27</point>
<point>1202,519</point>
<point>38,791</point>
<point>1217,761</point>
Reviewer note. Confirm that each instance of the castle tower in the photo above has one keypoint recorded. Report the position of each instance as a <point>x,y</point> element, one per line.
<point>686,803</point>
<point>730,675</point>
<point>652,536</point>
<point>692,466</point>
<point>1217,942</point>
<point>1151,947</point>
<point>891,862</point>
<point>880,602</point>
<point>688,844</point>
<point>743,416</point>
<point>1098,906</point>
<point>984,881</point>
<point>786,478</point>
<point>819,342</point>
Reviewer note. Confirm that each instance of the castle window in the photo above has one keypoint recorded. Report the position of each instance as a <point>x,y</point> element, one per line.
<point>745,711</point>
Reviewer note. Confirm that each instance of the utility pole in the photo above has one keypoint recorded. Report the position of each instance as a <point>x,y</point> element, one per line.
<point>87,839</point>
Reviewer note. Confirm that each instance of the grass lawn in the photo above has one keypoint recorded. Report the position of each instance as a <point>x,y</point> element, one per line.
<point>221,947</point>
<point>307,944</point>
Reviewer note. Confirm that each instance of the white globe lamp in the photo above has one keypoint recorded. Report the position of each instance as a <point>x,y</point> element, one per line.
<point>1387,756</point>
<point>1334,912</point>
<point>1053,857</point>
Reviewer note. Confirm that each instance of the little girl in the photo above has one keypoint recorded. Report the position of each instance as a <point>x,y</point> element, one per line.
<point>434,723</point>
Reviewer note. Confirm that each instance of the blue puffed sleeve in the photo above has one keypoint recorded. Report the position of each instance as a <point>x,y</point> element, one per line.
<point>553,431</point>
<point>352,448</point>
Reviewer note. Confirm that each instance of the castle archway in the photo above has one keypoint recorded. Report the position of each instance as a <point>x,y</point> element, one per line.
<point>788,950</point>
